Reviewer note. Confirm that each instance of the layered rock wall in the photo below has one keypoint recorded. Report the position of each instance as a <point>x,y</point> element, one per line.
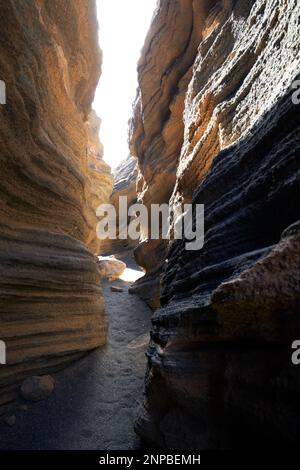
<point>51,306</point>
<point>219,362</point>
<point>100,176</point>
<point>125,176</point>
<point>157,127</point>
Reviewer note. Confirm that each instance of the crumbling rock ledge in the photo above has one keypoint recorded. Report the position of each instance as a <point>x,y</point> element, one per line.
<point>219,362</point>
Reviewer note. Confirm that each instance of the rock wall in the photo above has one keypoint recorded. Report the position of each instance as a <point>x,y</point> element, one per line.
<point>157,128</point>
<point>100,176</point>
<point>215,77</point>
<point>125,176</point>
<point>51,306</point>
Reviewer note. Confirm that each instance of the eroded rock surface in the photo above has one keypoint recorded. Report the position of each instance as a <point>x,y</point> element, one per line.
<point>125,176</point>
<point>100,175</point>
<point>110,267</point>
<point>220,371</point>
<point>157,132</point>
<point>50,182</point>
<point>37,388</point>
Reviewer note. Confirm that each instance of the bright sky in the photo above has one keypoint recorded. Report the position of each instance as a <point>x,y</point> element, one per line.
<point>123,27</point>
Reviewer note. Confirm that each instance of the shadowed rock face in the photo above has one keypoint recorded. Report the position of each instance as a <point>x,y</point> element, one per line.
<point>51,305</point>
<point>157,127</point>
<point>219,362</point>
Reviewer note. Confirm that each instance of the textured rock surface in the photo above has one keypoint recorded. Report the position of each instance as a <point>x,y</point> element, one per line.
<point>157,128</point>
<point>220,371</point>
<point>37,388</point>
<point>125,176</point>
<point>110,268</point>
<point>51,302</point>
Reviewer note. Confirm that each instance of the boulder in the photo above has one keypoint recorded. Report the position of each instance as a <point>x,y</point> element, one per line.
<point>37,388</point>
<point>110,267</point>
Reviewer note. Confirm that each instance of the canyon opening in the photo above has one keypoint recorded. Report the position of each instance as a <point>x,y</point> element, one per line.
<point>172,327</point>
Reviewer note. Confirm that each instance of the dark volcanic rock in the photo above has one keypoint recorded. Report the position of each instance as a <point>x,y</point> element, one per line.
<point>219,362</point>
<point>158,130</point>
<point>116,289</point>
<point>125,176</point>
<point>37,388</point>
<point>10,420</point>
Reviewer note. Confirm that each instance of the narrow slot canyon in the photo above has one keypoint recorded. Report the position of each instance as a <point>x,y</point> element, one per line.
<point>118,332</point>
<point>97,398</point>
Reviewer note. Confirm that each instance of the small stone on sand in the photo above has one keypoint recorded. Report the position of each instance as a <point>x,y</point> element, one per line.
<point>37,387</point>
<point>116,289</point>
<point>10,420</point>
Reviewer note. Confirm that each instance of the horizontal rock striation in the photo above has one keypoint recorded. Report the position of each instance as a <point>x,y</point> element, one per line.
<point>51,307</point>
<point>101,178</point>
<point>219,372</point>
<point>125,176</point>
<point>157,128</point>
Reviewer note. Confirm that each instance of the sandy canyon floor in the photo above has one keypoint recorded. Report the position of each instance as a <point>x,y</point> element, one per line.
<point>96,400</point>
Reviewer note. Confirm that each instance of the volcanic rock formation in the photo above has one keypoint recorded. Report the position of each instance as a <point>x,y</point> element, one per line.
<point>215,124</point>
<point>124,186</point>
<point>52,178</point>
<point>100,175</point>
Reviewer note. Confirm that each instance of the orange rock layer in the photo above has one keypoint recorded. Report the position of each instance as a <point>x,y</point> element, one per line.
<point>51,306</point>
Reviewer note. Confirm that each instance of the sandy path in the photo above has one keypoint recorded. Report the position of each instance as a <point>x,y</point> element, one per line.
<point>96,400</point>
